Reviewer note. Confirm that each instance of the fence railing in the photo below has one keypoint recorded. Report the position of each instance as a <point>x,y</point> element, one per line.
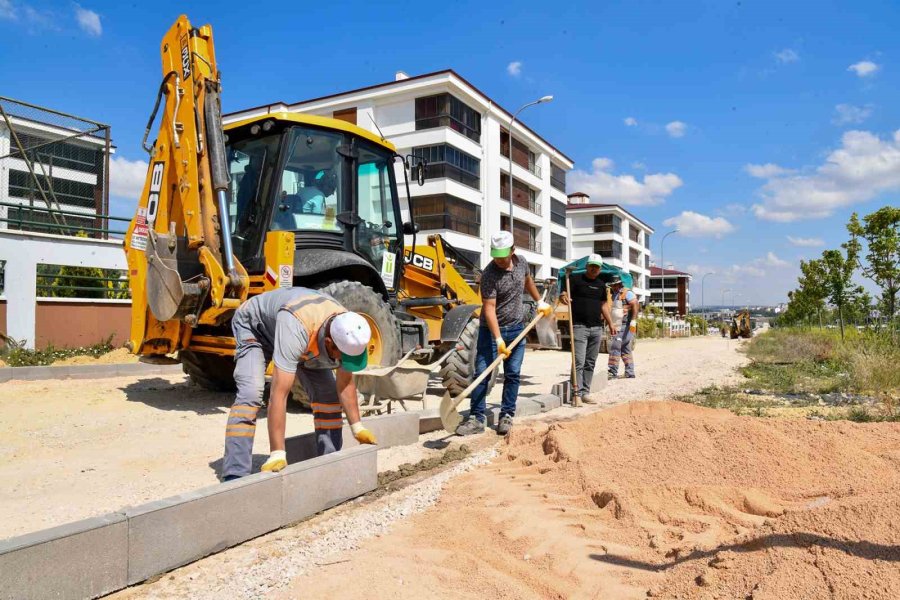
<point>55,281</point>
<point>26,219</point>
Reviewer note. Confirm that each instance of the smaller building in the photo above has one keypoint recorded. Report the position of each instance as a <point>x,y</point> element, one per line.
<point>609,230</point>
<point>671,290</point>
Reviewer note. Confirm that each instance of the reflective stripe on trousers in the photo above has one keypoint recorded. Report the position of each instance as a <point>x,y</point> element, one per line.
<point>621,346</point>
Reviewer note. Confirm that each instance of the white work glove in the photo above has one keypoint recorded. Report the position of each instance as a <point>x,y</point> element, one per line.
<point>544,308</point>
<point>502,349</point>
<point>362,435</point>
<point>276,462</point>
<point>632,327</point>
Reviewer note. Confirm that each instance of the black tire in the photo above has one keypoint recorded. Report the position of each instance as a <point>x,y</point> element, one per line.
<point>209,371</point>
<point>459,370</point>
<point>362,299</point>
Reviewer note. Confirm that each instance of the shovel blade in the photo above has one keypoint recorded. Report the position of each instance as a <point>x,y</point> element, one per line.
<point>450,418</point>
<point>548,333</point>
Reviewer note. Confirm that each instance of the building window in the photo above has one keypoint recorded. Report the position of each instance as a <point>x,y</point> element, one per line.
<point>525,236</point>
<point>655,283</point>
<point>532,270</point>
<point>523,195</point>
<point>522,155</point>
<point>557,178</point>
<point>608,249</point>
<point>444,160</point>
<point>557,212</point>
<point>444,110</point>
<point>634,255</point>
<point>56,153</point>
<point>647,241</point>
<point>447,212</point>
<point>554,272</point>
<point>636,279</point>
<point>348,115</point>
<point>557,246</point>
<point>646,261</point>
<point>634,234</point>
<point>607,224</point>
<point>66,191</point>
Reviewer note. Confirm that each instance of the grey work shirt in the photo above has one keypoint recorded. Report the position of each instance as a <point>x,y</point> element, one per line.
<point>506,287</point>
<point>278,331</point>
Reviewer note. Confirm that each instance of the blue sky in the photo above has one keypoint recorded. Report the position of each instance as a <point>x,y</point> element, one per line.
<point>756,127</point>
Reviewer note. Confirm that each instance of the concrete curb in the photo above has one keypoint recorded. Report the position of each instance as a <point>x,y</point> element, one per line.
<point>84,371</point>
<point>97,556</point>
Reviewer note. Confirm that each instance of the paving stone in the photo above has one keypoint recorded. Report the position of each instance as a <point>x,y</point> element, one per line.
<point>84,559</point>
<point>314,485</point>
<point>397,429</point>
<point>429,420</point>
<point>172,532</point>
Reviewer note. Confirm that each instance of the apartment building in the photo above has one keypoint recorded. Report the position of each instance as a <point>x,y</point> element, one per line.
<point>671,290</point>
<point>464,136</point>
<point>53,170</point>
<point>609,230</point>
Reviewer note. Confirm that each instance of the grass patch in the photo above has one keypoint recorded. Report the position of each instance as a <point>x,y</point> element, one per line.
<point>23,357</point>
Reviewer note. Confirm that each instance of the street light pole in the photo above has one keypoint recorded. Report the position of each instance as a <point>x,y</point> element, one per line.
<point>662,262</point>
<point>511,121</point>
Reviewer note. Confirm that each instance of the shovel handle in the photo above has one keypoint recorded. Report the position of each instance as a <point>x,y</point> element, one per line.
<point>496,362</point>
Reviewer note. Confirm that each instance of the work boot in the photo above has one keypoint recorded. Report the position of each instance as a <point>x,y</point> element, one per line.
<point>590,399</point>
<point>505,424</point>
<point>470,426</point>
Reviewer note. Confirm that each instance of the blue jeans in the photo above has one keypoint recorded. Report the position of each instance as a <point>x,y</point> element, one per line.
<point>485,353</point>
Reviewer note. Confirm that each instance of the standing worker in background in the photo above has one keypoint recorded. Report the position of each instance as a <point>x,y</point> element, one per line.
<point>502,316</point>
<point>306,334</point>
<point>625,308</point>
<point>589,311</point>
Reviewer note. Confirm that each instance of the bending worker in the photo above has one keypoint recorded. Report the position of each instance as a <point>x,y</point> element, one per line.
<point>625,307</point>
<point>502,316</point>
<point>306,334</point>
<point>589,311</point>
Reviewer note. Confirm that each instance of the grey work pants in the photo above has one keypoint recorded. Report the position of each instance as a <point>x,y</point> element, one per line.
<point>250,377</point>
<point>587,347</point>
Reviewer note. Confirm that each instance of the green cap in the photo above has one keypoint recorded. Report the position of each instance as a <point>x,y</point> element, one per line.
<point>352,364</point>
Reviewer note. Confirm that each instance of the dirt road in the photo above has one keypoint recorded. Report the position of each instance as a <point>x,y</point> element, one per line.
<point>74,449</point>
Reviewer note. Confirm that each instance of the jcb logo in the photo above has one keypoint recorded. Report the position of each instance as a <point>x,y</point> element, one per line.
<point>156,179</point>
<point>423,262</point>
<point>185,58</point>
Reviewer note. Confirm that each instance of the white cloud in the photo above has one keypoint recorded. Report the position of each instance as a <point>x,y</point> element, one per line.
<point>603,186</point>
<point>806,242</point>
<point>7,10</point>
<point>126,177</point>
<point>514,68</point>
<point>847,113</point>
<point>734,209</point>
<point>767,171</point>
<point>691,224</point>
<point>864,68</point>
<point>638,166</point>
<point>861,169</point>
<point>630,121</point>
<point>787,56</point>
<point>89,21</point>
<point>771,260</point>
<point>676,129</point>
<point>735,270</point>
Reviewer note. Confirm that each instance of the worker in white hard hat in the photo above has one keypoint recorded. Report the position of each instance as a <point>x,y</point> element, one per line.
<point>625,310</point>
<point>502,320</point>
<point>308,335</point>
<point>590,312</point>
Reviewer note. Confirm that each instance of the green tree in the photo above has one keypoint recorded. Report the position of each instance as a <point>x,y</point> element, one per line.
<point>838,269</point>
<point>881,231</point>
<point>810,297</point>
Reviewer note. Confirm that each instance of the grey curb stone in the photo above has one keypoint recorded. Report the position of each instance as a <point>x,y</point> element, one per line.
<point>84,559</point>
<point>397,429</point>
<point>84,371</point>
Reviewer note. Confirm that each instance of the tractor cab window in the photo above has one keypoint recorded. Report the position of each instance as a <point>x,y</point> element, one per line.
<point>250,164</point>
<point>376,234</point>
<point>309,193</point>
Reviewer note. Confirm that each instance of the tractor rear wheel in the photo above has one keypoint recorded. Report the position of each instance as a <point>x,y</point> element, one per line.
<point>459,370</point>
<point>384,349</point>
<point>210,371</point>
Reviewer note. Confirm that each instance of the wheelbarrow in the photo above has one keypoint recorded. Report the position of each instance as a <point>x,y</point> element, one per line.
<point>406,380</point>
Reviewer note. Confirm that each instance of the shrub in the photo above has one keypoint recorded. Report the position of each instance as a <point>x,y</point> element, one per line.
<point>23,357</point>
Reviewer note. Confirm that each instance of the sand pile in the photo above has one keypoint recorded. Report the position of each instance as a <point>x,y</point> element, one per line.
<point>652,499</point>
<point>731,507</point>
<point>114,357</point>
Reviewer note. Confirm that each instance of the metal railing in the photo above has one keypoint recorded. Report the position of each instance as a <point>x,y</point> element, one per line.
<point>559,184</point>
<point>26,220</point>
<point>448,222</point>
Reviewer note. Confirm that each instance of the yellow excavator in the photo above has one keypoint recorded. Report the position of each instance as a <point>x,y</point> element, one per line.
<point>280,200</point>
<point>741,325</point>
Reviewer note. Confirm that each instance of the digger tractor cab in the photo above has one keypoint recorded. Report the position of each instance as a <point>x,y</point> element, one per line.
<point>334,188</point>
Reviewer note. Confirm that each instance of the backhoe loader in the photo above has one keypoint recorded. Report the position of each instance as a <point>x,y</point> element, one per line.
<point>279,200</point>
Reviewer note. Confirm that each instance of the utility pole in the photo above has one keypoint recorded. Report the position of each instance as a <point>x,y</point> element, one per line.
<point>511,121</point>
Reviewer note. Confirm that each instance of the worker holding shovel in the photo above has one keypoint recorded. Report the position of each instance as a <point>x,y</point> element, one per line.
<point>502,320</point>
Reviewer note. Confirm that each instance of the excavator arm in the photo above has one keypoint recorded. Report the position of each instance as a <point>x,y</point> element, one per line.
<point>182,270</point>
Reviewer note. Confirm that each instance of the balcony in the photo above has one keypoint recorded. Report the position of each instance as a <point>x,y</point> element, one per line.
<point>448,222</point>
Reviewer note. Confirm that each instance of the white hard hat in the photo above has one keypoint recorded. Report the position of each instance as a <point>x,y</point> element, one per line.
<point>351,334</point>
<point>501,243</point>
<point>595,259</point>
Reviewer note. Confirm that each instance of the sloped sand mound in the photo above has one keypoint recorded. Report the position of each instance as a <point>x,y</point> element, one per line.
<point>653,499</point>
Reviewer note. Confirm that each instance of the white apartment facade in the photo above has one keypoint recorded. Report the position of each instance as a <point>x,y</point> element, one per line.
<point>671,290</point>
<point>463,134</point>
<point>618,236</point>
